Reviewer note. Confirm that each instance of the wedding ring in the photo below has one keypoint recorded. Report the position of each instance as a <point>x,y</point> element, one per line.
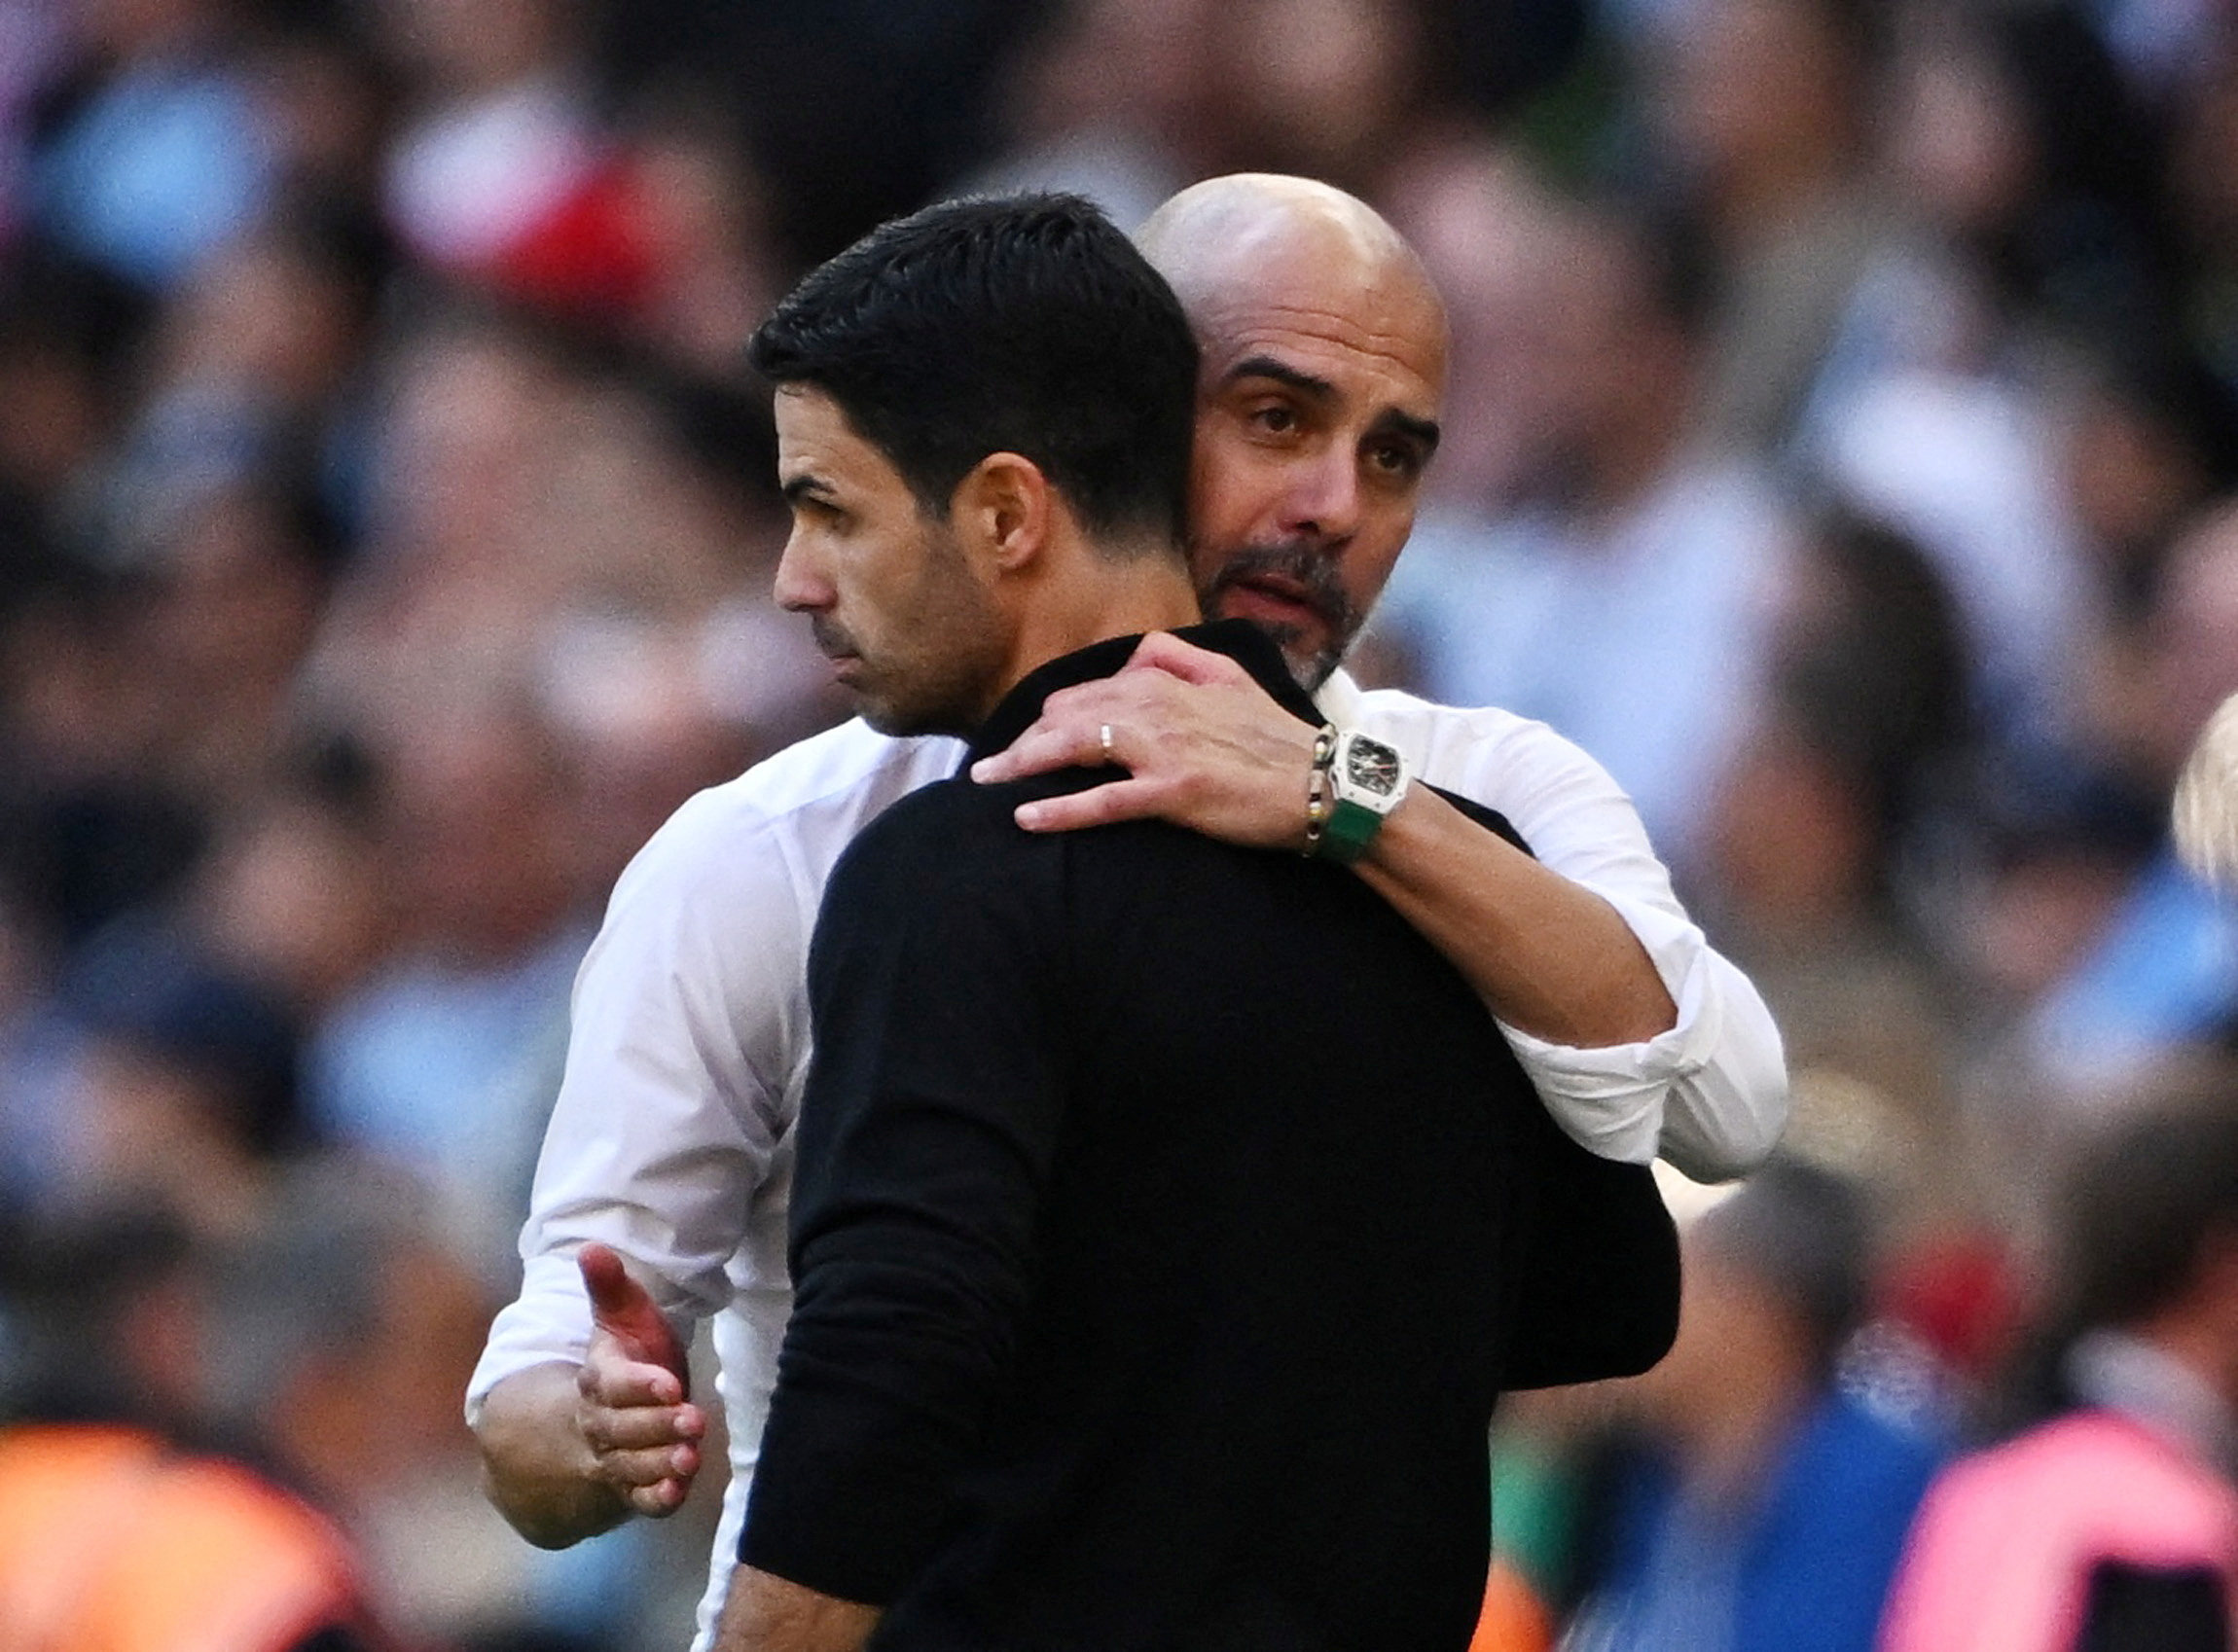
<point>1105,735</point>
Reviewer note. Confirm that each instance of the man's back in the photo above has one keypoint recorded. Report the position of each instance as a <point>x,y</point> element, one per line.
<point>1154,1239</point>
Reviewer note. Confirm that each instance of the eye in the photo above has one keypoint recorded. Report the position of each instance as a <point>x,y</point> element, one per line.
<point>1275,419</point>
<point>1395,458</point>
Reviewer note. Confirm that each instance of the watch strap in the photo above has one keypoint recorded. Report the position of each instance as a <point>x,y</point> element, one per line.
<point>1348,832</point>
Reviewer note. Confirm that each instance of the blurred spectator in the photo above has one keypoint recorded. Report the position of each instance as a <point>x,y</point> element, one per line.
<point>1627,602</point>
<point>1126,144</point>
<point>1773,164</point>
<point>152,152</point>
<point>1499,248</point>
<point>1772,1513</point>
<point>338,1334</point>
<point>444,1058</point>
<point>1863,716</point>
<point>121,1527</point>
<point>2159,971</point>
<point>2115,1524</point>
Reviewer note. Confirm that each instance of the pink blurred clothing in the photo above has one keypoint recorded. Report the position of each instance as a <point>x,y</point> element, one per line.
<point>2001,1556</point>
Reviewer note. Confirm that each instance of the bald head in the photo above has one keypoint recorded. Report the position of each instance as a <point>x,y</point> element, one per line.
<point>1253,238</point>
<point>1323,369</point>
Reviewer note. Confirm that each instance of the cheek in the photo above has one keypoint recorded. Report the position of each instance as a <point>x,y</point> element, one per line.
<point>1375,552</point>
<point>1227,492</point>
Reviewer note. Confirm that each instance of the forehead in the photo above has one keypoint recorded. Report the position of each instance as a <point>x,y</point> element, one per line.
<point>816,442</point>
<point>1362,322</point>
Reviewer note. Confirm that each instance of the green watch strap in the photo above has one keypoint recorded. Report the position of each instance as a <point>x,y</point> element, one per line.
<point>1348,832</point>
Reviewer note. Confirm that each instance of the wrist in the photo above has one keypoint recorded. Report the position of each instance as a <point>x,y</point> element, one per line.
<point>1317,788</point>
<point>1367,781</point>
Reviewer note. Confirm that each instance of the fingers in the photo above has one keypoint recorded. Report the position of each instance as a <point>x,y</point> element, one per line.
<point>649,1454</point>
<point>1099,805</point>
<point>641,1428</point>
<point>609,1376</point>
<point>659,1500</point>
<point>613,1293</point>
<point>1069,733</point>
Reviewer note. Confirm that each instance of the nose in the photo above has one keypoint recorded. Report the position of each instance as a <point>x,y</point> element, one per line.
<point>799,588</point>
<point>1324,501</point>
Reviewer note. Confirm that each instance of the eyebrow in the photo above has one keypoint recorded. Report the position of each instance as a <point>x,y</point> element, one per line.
<point>1281,373</point>
<point>1424,431</point>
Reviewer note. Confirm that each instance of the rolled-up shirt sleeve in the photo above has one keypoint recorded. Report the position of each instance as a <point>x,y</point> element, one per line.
<point>1709,1094</point>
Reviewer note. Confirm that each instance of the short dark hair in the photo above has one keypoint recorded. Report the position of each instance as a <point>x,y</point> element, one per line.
<point>1025,324</point>
<point>2143,1200</point>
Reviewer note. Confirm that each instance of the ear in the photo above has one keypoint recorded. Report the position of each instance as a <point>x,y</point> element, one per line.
<point>1003,510</point>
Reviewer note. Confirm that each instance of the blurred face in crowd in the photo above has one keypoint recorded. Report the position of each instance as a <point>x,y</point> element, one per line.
<point>1317,401</point>
<point>892,597</point>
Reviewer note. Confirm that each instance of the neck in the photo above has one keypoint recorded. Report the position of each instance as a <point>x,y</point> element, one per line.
<point>1093,597</point>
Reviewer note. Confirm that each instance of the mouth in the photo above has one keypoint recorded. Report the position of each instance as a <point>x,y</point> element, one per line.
<point>1272,600</point>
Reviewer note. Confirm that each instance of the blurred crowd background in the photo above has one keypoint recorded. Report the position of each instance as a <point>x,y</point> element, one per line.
<point>1842,445</point>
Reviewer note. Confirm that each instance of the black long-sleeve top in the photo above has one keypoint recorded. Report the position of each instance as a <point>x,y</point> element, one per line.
<point>1167,1217</point>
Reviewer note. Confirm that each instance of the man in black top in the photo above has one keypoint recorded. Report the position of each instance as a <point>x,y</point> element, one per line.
<point>1167,1213</point>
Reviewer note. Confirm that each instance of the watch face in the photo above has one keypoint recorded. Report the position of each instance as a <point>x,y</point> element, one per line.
<point>1372,765</point>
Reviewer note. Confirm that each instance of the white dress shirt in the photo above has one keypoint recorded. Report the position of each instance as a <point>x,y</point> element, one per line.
<point>671,1139</point>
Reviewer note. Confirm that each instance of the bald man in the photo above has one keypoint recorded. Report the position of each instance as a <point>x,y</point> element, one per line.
<point>670,1143</point>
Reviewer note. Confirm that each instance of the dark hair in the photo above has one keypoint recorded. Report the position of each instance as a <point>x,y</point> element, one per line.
<point>1807,1235</point>
<point>1024,324</point>
<point>2143,1200</point>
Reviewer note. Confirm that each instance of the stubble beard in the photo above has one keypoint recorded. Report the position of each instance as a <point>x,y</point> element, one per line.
<point>942,673</point>
<point>1314,571</point>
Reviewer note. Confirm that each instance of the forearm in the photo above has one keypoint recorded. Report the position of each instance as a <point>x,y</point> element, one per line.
<point>537,1469</point>
<point>764,1613</point>
<point>1546,955</point>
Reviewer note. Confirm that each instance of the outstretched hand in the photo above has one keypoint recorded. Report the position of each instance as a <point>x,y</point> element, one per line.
<point>634,1391</point>
<point>1203,746</point>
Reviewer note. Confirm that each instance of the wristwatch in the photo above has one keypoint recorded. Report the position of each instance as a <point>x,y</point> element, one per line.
<point>1367,780</point>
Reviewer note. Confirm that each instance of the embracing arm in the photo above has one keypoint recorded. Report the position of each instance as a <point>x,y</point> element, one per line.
<point>1639,1035</point>
<point>1549,957</point>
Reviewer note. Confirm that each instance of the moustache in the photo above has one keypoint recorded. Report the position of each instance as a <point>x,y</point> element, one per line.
<point>831,638</point>
<point>1298,562</point>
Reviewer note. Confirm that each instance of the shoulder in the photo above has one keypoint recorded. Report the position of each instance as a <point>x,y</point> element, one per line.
<point>791,814</point>
<point>951,835</point>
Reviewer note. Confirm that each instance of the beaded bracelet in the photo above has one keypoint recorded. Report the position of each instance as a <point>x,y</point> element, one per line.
<point>1317,788</point>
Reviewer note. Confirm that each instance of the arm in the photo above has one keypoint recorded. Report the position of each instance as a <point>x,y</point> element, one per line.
<point>927,1137</point>
<point>569,1451</point>
<point>762,1613</point>
<point>684,1016</point>
<point>1207,749</point>
<point>1638,1036</point>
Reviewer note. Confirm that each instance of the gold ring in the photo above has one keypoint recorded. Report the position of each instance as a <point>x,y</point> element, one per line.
<point>1105,735</point>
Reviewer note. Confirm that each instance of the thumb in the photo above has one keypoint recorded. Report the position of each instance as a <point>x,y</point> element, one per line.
<point>625,1309</point>
<point>1163,651</point>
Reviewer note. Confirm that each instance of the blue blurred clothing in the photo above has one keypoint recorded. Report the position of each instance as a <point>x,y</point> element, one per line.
<point>1808,1566</point>
<point>165,163</point>
<point>2163,973</point>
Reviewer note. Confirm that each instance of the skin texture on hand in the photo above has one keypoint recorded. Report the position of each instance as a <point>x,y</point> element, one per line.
<point>1208,750</point>
<point>571,1451</point>
<point>1203,746</point>
<point>633,1392</point>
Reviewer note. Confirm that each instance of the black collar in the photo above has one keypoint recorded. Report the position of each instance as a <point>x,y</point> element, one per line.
<point>1239,639</point>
